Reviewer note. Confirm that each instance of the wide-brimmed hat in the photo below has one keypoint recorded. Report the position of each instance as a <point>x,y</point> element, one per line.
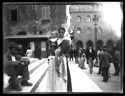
<point>13,45</point>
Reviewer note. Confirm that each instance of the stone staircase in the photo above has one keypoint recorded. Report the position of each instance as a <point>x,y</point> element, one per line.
<point>37,71</point>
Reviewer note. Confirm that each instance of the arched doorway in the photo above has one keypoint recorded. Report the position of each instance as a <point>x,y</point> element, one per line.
<point>79,44</point>
<point>89,43</point>
<point>110,45</point>
<point>99,44</point>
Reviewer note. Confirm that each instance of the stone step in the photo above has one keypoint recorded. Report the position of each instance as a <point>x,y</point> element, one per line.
<point>35,76</point>
<point>33,69</point>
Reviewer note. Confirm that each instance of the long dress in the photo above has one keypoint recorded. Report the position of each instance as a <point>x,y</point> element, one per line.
<point>56,82</point>
<point>58,73</point>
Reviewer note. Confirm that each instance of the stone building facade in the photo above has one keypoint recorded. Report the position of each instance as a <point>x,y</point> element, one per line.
<point>31,23</point>
<point>83,26</point>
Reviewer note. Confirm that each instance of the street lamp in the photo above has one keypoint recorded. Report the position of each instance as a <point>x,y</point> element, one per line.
<point>96,19</point>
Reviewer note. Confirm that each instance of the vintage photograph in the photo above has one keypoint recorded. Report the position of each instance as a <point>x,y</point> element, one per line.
<point>62,47</point>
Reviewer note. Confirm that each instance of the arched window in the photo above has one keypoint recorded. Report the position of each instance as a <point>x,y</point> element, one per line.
<point>88,30</point>
<point>78,18</point>
<point>99,30</point>
<point>88,18</point>
<point>78,30</point>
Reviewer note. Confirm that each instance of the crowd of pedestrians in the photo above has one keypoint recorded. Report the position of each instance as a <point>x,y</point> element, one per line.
<point>101,58</point>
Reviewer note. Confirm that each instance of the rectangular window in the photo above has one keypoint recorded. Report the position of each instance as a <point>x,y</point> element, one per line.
<point>27,12</point>
<point>13,14</point>
<point>22,16</point>
<point>88,18</point>
<point>45,13</point>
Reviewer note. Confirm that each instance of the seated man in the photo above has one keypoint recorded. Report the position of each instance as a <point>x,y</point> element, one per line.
<point>14,65</point>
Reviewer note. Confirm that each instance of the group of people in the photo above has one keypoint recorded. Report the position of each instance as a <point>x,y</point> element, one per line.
<point>15,65</point>
<point>58,48</point>
<point>103,58</point>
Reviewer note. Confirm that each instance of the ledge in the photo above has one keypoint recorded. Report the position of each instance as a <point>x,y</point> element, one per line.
<point>27,36</point>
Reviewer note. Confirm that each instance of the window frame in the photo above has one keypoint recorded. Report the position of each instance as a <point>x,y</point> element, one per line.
<point>78,19</point>
<point>88,18</point>
<point>89,29</point>
<point>10,15</point>
<point>78,30</point>
<point>45,13</point>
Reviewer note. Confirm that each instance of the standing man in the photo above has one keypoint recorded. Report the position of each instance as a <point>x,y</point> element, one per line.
<point>37,52</point>
<point>105,60</point>
<point>90,57</point>
<point>76,54</point>
<point>15,65</point>
<point>99,55</point>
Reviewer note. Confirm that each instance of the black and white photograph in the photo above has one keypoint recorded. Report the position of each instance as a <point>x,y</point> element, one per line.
<point>62,47</point>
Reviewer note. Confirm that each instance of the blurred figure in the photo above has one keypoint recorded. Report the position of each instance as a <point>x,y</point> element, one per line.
<point>37,52</point>
<point>14,66</point>
<point>20,50</point>
<point>87,58</point>
<point>76,55</point>
<point>80,52</point>
<point>29,52</point>
<point>99,55</point>
<point>58,73</point>
<point>52,42</point>
<point>82,61</point>
<point>116,61</point>
<point>105,60</point>
<point>90,56</point>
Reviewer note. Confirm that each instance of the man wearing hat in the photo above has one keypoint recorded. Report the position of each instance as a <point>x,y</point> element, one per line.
<point>105,60</point>
<point>14,65</point>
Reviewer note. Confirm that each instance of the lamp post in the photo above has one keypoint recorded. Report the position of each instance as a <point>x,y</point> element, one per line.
<point>96,19</point>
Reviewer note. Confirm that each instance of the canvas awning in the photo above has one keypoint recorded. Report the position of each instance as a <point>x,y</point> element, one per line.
<point>27,36</point>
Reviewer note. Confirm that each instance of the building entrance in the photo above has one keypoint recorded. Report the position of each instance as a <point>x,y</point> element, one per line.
<point>89,43</point>
<point>79,44</point>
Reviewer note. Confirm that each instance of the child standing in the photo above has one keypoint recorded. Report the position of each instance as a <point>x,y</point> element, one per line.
<point>82,61</point>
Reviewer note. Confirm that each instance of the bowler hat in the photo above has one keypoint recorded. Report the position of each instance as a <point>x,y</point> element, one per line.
<point>13,45</point>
